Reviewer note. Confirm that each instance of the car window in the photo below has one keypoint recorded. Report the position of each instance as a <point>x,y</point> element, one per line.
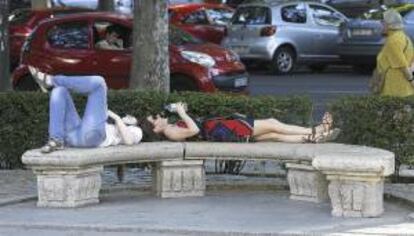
<point>120,38</point>
<point>294,13</point>
<point>69,35</point>
<point>19,16</point>
<point>197,18</point>
<point>219,16</point>
<point>179,37</point>
<point>252,16</point>
<point>325,16</point>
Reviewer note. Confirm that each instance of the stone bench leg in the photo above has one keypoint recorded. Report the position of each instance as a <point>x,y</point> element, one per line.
<point>356,195</point>
<point>174,179</point>
<point>306,183</point>
<point>68,187</point>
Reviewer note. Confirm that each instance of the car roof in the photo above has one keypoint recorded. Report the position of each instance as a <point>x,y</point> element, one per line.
<point>92,15</point>
<point>272,3</point>
<point>196,6</point>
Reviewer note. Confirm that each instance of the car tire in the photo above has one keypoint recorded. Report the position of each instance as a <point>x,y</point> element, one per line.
<point>27,83</point>
<point>283,61</point>
<point>364,69</point>
<point>317,68</point>
<point>182,83</point>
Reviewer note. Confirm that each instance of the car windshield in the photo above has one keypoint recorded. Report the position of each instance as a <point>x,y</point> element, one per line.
<point>179,37</point>
<point>377,14</point>
<point>19,16</point>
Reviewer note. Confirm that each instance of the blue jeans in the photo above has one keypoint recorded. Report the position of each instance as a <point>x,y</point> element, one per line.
<point>64,122</point>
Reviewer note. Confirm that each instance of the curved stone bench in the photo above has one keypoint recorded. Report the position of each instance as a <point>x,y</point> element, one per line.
<point>351,176</point>
<point>355,174</point>
<point>72,177</point>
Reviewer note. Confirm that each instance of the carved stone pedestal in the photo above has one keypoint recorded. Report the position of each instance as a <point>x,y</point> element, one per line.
<point>356,195</point>
<point>306,183</point>
<point>68,187</point>
<point>174,179</point>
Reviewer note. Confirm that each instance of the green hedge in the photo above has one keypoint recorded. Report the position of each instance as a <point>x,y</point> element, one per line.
<point>24,116</point>
<point>383,122</point>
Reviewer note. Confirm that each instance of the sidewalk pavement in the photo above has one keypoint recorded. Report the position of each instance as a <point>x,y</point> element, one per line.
<point>260,207</point>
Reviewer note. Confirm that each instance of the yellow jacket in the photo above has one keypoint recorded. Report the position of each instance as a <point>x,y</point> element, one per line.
<point>396,54</point>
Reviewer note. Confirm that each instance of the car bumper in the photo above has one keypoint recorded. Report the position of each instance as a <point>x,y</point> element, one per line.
<point>234,83</point>
<point>359,53</point>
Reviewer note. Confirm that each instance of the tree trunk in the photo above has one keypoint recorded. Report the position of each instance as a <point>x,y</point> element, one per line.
<point>5,83</point>
<point>40,4</point>
<point>106,5</point>
<point>150,68</point>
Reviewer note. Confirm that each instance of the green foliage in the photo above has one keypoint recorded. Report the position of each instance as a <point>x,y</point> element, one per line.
<point>24,116</point>
<point>383,122</point>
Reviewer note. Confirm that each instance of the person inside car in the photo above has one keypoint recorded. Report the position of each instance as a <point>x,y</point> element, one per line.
<point>158,128</point>
<point>67,128</point>
<point>112,40</point>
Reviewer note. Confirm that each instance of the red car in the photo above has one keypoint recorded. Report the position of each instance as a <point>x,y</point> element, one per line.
<point>205,21</point>
<point>23,21</point>
<point>68,45</point>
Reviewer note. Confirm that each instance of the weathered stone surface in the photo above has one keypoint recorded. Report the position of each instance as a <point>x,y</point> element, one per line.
<point>75,157</point>
<point>175,179</point>
<point>354,172</point>
<point>356,195</point>
<point>306,183</point>
<point>68,188</point>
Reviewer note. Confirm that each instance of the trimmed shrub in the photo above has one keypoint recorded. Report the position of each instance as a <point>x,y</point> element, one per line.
<point>24,116</point>
<point>383,122</point>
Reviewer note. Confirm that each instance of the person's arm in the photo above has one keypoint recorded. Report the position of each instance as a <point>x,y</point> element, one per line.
<point>181,133</point>
<point>126,136</point>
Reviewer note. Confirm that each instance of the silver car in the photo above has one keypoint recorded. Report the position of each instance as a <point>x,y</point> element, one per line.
<point>283,33</point>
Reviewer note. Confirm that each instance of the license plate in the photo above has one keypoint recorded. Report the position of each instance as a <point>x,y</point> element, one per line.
<point>240,49</point>
<point>362,32</point>
<point>240,82</point>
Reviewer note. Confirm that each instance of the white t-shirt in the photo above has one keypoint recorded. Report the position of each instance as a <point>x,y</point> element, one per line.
<point>113,137</point>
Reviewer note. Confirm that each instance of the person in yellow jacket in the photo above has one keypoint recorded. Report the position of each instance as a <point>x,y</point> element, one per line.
<point>396,57</point>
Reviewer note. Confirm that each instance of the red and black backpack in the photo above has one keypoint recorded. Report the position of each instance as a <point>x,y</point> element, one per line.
<point>235,128</point>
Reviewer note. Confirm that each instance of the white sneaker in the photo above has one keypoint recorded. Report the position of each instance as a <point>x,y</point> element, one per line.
<point>43,80</point>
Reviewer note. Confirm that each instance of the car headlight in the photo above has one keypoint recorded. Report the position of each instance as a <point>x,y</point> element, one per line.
<point>199,58</point>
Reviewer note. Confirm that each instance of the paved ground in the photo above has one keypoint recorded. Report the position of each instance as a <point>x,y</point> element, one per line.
<point>262,207</point>
<point>219,213</point>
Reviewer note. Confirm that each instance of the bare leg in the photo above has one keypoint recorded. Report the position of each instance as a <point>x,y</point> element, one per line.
<point>274,126</point>
<point>282,138</point>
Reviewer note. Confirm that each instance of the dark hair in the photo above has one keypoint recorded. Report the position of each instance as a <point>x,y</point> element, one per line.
<point>148,132</point>
<point>113,29</point>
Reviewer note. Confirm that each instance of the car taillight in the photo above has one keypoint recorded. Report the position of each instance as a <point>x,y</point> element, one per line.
<point>268,31</point>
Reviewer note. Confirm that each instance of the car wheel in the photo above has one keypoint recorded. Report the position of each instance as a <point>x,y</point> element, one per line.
<point>364,69</point>
<point>317,68</point>
<point>283,61</point>
<point>182,83</point>
<point>27,83</point>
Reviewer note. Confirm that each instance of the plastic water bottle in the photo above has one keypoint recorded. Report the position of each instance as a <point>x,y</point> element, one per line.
<point>173,107</point>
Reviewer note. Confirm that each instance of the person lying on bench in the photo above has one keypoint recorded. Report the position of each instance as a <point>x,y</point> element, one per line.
<point>236,128</point>
<point>66,128</point>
